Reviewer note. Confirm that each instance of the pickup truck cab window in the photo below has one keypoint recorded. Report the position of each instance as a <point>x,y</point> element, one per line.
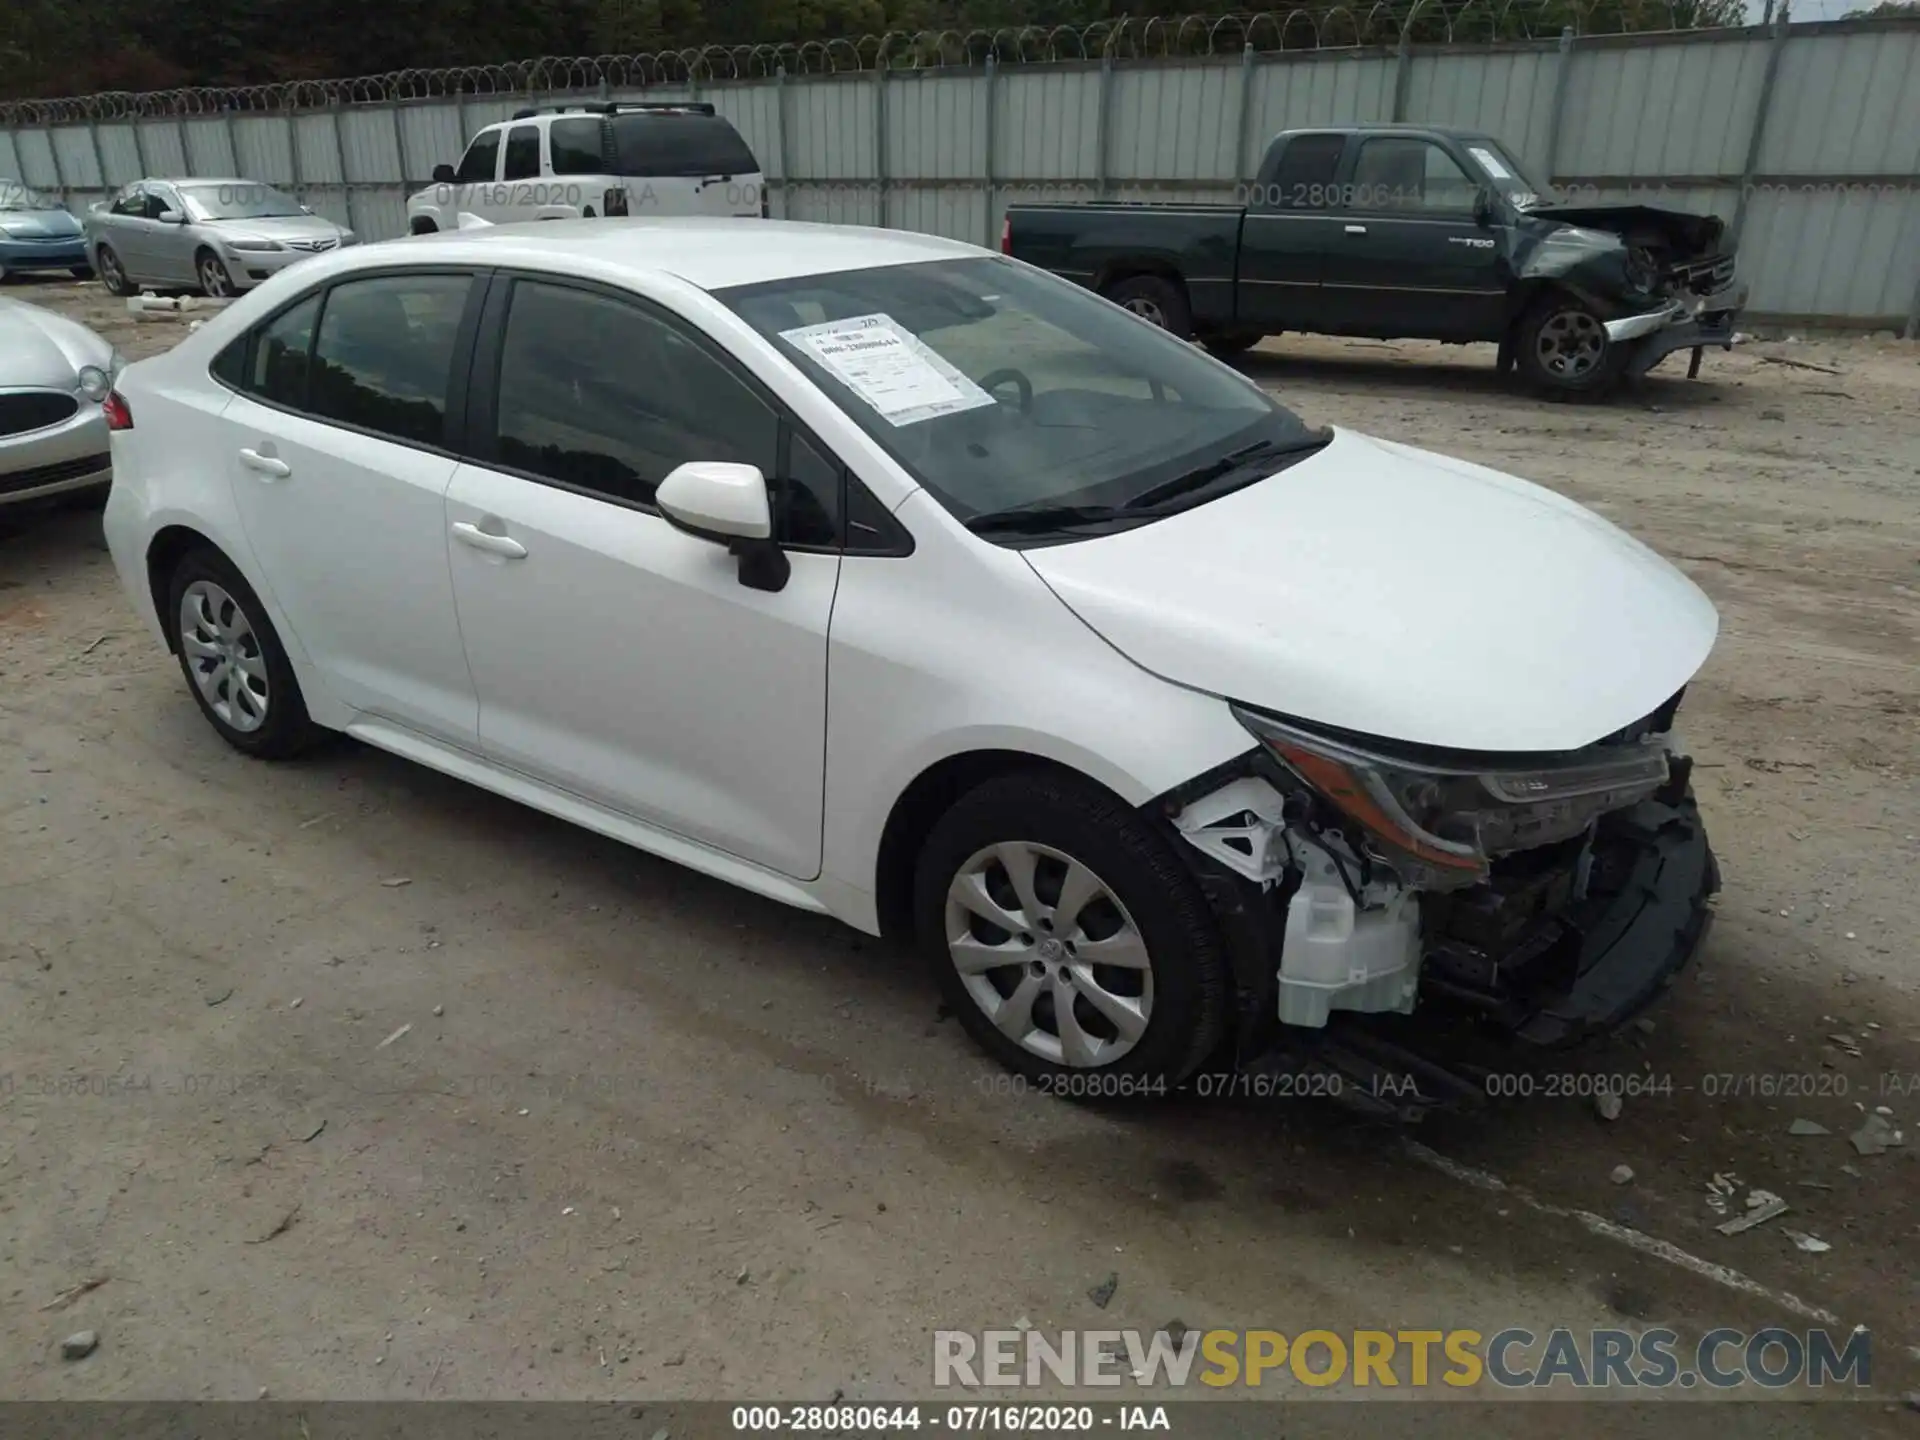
<point>1300,174</point>
<point>1394,172</point>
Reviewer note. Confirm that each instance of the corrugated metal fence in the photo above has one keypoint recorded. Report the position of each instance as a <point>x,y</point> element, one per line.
<point>1805,137</point>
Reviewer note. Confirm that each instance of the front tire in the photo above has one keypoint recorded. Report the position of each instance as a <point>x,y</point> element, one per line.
<point>423,226</point>
<point>235,665</point>
<point>1156,299</point>
<point>1069,939</point>
<point>113,275</point>
<point>1562,349</point>
<point>215,281</point>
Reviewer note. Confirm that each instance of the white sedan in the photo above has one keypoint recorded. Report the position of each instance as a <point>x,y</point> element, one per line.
<point>892,578</point>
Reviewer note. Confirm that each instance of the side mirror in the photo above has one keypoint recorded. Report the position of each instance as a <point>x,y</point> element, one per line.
<point>727,504</point>
<point>444,175</point>
<point>172,217</point>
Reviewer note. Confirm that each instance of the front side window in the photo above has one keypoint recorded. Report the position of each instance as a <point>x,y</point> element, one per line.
<point>523,153</point>
<point>574,147</point>
<point>999,387</point>
<point>1396,173</point>
<point>478,165</point>
<point>130,201</point>
<point>605,397</point>
<point>1505,173</point>
<point>383,358</point>
<point>278,369</point>
<point>241,201</point>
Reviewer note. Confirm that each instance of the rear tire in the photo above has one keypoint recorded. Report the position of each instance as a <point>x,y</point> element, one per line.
<point>113,275</point>
<point>423,226</point>
<point>236,668</point>
<point>1155,299</point>
<point>1562,349</point>
<point>1138,1021</point>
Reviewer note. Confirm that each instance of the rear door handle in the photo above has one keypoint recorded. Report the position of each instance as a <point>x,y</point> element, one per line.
<point>1356,229</point>
<point>265,464</point>
<point>486,540</point>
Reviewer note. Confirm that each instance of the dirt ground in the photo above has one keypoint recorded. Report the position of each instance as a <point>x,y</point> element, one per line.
<point>650,1137</point>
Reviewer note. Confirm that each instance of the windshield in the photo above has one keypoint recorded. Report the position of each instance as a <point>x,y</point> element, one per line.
<point>999,387</point>
<point>1508,175</point>
<point>238,202</point>
<point>15,196</point>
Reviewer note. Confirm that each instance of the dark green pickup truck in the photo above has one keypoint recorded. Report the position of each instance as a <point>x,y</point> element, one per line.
<point>1398,231</point>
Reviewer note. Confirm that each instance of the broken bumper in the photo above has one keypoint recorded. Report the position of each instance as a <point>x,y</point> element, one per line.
<point>1691,324</point>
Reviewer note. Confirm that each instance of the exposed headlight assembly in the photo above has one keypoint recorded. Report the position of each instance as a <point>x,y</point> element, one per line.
<point>254,244</point>
<point>95,383</point>
<point>1441,826</point>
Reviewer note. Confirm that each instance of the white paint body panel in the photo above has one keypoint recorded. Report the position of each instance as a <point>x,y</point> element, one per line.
<point>617,673</point>
<point>1401,594</point>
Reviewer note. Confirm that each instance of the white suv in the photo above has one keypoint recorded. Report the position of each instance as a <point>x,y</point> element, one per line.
<point>580,161</point>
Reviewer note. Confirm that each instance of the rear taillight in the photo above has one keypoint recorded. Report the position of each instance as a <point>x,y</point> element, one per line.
<point>1006,235</point>
<point>614,202</point>
<point>114,407</point>
<point>766,210</point>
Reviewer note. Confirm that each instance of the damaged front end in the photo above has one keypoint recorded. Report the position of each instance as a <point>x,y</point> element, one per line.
<point>1536,900</point>
<point>1662,280</point>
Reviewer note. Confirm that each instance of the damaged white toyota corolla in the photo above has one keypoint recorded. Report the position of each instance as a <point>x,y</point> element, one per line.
<point>895,579</point>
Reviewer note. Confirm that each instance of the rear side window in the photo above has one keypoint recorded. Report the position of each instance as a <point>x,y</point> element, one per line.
<point>277,369</point>
<point>679,145</point>
<point>574,147</point>
<point>523,153</point>
<point>480,161</point>
<point>1303,180</point>
<point>383,358</point>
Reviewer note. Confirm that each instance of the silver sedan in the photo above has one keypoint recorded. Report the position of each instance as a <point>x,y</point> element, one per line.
<point>55,381</point>
<point>218,236</point>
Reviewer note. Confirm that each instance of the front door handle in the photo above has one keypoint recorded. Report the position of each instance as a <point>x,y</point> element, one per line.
<point>265,464</point>
<point>486,540</point>
<point>1356,229</point>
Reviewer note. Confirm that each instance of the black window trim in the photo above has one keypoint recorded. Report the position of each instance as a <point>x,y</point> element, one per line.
<point>484,389</point>
<point>458,373</point>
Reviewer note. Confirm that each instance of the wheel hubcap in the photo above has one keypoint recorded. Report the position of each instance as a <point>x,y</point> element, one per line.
<point>1147,310</point>
<point>224,655</point>
<point>1571,344</point>
<point>1049,954</point>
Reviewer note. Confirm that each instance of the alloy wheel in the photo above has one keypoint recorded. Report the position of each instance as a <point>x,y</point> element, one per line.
<point>213,277</point>
<point>110,272</point>
<point>224,655</point>
<point>1571,344</point>
<point>1146,309</point>
<point>1047,951</point>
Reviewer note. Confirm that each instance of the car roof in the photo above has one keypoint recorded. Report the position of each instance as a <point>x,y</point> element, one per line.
<point>711,253</point>
<point>1456,132</point>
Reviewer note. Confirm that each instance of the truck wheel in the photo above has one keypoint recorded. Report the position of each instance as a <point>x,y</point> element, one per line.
<point>1563,349</point>
<point>1156,299</point>
<point>1225,347</point>
<point>423,226</point>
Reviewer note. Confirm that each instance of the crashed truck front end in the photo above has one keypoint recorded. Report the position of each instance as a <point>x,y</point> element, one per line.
<point>1539,899</point>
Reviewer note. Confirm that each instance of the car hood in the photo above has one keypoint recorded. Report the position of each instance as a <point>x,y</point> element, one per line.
<point>1685,235</point>
<point>1402,594</point>
<point>37,224</point>
<point>279,227</point>
<point>41,349</point>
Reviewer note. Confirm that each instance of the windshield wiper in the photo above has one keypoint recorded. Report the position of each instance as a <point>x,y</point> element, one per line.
<point>1030,518</point>
<point>1232,463</point>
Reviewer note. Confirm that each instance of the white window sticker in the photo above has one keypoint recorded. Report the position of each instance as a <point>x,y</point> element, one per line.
<point>889,367</point>
<point>1490,163</point>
